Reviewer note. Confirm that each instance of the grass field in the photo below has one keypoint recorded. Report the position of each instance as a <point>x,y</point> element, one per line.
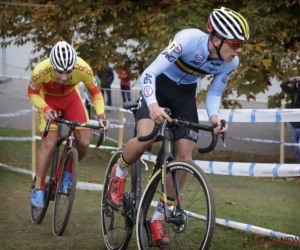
<point>265,202</point>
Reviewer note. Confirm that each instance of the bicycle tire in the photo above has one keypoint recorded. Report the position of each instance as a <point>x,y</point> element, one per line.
<point>59,222</point>
<point>37,215</point>
<point>116,232</point>
<point>187,234</point>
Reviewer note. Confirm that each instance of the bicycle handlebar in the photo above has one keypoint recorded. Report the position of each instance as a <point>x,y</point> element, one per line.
<point>77,124</point>
<point>182,123</point>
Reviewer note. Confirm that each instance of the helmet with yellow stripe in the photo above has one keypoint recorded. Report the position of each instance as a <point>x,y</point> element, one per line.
<point>228,24</point>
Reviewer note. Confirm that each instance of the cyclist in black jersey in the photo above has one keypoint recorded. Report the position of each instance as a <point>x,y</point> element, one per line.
<point>170,81</point>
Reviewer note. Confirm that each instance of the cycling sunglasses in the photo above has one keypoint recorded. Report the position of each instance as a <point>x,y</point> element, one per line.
<point>235,45</point>
<point>64,72</point>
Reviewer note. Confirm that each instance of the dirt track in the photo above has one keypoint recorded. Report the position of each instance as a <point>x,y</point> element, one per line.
<point>13,98</point>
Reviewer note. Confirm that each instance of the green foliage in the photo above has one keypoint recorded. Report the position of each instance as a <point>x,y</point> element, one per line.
<point>98,28</point>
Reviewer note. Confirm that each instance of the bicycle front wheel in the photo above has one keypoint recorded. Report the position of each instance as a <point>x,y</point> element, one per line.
<point>192,221</point>
<point>117,222</point>
<point>65,193</point>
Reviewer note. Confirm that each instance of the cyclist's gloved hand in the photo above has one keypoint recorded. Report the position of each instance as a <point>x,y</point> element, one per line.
<point>158,114</point>
<point>219,127</point>
<point>103,122</point>
<point>49,114</point>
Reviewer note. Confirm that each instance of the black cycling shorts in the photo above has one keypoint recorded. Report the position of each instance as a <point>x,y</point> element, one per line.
<point>180,99</point>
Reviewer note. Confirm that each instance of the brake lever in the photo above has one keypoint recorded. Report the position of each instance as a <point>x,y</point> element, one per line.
<point>104,131</point>
<point>223,122</point>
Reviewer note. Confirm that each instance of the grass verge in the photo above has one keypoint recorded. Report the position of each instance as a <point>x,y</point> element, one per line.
<point>265,202</point>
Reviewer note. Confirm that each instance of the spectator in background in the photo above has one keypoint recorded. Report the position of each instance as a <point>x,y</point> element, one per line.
<point>292,87</point>
<point>107,79</point>
<point>124,77</point>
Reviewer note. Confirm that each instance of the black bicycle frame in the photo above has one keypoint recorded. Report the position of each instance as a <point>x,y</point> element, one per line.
<point>164,156</point>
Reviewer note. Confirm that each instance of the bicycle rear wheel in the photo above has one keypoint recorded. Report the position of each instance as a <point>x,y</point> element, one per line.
<point>64,200</point>
<point>116,225</point>
<point>193,225</point>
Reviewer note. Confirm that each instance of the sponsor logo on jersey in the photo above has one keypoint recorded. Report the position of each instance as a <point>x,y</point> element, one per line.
<point>211,69</point>
<point>178,49</point>
<point>41,73</point>
<point>199,57</point>
<point>195,62</point>
<point>147,79</point>
<point>215,64</point>
<point>193,135</point>
<point>169,57</point>
<point>226,79</point>
<point>85,69</point>
<point>31,84</point>
<point>95,82</point>
<point>174,46</point>
<point>148,91</point>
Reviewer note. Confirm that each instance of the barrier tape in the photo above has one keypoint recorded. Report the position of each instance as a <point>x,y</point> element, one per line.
<point>254,115</point>
<point>222,168</point>
<point>256,140</point>
<point>18,113</point>
<point>80,184</point>
<point>9,138</point>
<point>228,223</point>
<point>243,168</point>
<point>230,115</point>
<point>242,226</point>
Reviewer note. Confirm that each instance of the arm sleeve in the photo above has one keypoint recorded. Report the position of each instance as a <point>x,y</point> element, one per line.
<point>163,61</point>
<point>34,89</point>
<point>96,95</point>
<point>214,95</point>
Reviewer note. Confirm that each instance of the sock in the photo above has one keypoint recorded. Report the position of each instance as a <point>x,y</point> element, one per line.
<point>40,182</point>
<point>159,210</point>
<point>122,169</point>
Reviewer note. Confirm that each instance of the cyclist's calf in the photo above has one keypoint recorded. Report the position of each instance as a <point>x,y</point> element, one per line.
<point>135,149</point>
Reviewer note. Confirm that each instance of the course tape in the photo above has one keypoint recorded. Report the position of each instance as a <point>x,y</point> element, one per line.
<point>256,140</point>
<point>10,138</point>
<point>243,226</point>
<point>216,167</point>
<point>243,168</point>
<point>228,223</point>
<point>230,115</point>
<point>254,115</point>
<point>18,113</point>
<point>80,184</point>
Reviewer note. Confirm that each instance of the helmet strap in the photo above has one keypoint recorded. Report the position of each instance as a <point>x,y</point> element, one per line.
<point>218,49</point>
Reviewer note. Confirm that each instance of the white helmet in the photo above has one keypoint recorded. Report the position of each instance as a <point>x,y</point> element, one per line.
<point>228,24</point>
<point>63,56</point>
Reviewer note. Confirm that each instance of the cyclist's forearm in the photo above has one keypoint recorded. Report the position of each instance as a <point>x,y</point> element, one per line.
<point>212,104</point>
<point>39,102</point>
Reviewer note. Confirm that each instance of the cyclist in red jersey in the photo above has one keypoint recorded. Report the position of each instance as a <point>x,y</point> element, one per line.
<point>54,87</point>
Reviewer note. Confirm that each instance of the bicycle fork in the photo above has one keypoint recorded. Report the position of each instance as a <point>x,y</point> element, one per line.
<point>132,198</point>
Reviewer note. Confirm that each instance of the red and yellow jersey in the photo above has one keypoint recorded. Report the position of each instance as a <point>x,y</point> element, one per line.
<point>43,82</point>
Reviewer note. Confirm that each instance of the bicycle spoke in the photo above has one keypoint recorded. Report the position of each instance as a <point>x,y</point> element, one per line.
<point>116,227</point>
<point>191,221</point>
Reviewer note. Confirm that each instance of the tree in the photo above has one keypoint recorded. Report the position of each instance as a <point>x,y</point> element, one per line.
<point>98,28</point>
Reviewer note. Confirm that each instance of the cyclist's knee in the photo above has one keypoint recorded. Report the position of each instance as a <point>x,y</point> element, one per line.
<point>83,140</point>
<point>184,149</point>
<point>48,143</point>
